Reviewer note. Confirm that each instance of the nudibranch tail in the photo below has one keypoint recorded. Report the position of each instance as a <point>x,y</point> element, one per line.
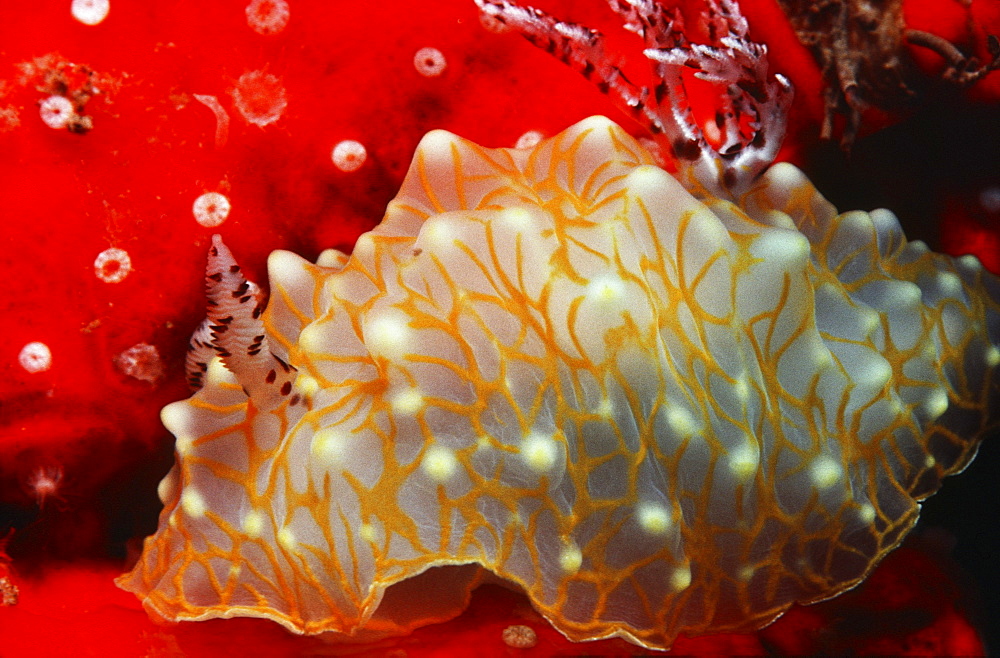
<point>237,331</point>
<point>751,121</point>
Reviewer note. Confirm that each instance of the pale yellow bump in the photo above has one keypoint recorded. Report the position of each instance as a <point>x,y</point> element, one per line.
<point>781,246</point>
<point>483,443</point>
<point>313,339</point>
<point>175,417</point>
<point>332,258</point>
<point>286,539</point>
<point>949,283</point>
<point>874,372</point>
<point>866,513</point>
<point>436,146</point>
<point>746,573</point>
<point>896,407</point>
<point>167,487</point>
<point>539,451</point>
<point>605,289</point>
<point>518,219</point>
<point>908,294</point>
<point>870,320</point>
<point>335,287</point>
<point>234,571</point>
<point>439,463</point>
<point>645,179</point>
<point>605,409</point>
<point>327,447</point>
<point>778,219</point>
<point>992,356</point>
<point>364,247</point>
<point>743,461</point>
<point>742,388</point>
<point>680,579</point>
<point>681,421</point>
<point>785,178</point>
<point>438,234</point>
<point>969,262</point>
<point>822,357</point>
<point>936,403</point>
<point>855,221</point>
<point>253,524</point>
<point>570,558</point>
<point>172,521</point>
<point>388,334</point>
<point>192,503</point>
<point>183,445</point>
<point>653,518</point>
<point>287,270</point>
<point>306,385</point>
<point>825,472</point>
<point>599,127</point>
<point>367,532</point>
<point>409,401</point>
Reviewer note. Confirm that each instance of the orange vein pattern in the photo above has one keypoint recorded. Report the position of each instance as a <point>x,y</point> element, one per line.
<point>654,413</point>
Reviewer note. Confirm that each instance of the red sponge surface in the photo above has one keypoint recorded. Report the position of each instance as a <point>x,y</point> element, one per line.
<point>102,261</point>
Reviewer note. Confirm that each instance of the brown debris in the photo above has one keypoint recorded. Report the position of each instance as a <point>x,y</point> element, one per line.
<point>519,636</point>
<point>861,49</point>
<point>54,76</point>
<point>8,591</point>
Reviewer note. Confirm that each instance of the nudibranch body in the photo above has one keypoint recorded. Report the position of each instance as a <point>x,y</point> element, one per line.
<point>654,413</point>
<point>656,404</point>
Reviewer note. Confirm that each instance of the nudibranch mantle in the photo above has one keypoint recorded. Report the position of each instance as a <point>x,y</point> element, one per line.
<point>654,413</point>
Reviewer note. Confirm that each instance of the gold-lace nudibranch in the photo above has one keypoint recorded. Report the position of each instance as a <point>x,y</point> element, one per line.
<point>654,414</point>
<point>656,408</point>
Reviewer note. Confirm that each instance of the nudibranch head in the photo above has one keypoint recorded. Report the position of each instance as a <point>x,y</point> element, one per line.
<point>654,413</point>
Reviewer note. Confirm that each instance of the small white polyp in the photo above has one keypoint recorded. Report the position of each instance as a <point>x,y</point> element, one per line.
<point>56,112</point>
<point>349,155</point>
<point>112,265</point>
<point>211,209</point>
<point>35,357</point>
<point>429,62</point>
<point>90,12</point>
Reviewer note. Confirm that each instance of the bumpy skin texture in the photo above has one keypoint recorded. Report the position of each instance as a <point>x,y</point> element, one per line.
<point>656,414</point>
